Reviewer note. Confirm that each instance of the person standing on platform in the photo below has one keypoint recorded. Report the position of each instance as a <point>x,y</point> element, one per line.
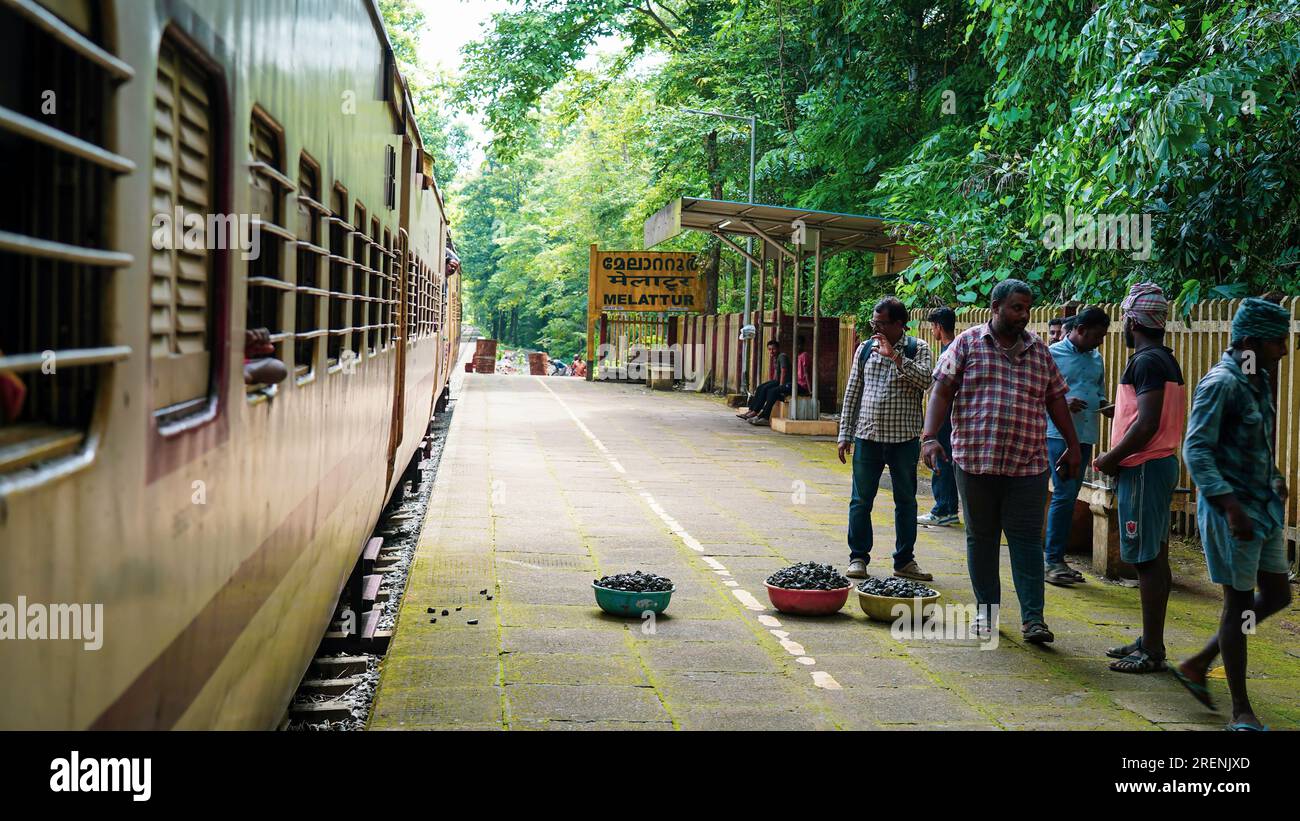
<point>1001,384</point>
<point>1077,358</point>
<point>1149,419</point>
<point>880,423</point>
<point>943,323</point>
<point>1240,509</point>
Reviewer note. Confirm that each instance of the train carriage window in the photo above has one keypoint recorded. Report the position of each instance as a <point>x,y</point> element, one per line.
<point>54,328</point>
<point>340,292</point>
<point>181,321</point>
<point>306,314</point>
<point>386,307</point>
<point>428,301</point>
<point>268,187</point>
<point>412,300</point>
<point>360,279</point>
<point>376,291</point>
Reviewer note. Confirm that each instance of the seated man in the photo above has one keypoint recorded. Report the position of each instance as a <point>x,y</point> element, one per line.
<point>778,375</point>
<point>260,367</point>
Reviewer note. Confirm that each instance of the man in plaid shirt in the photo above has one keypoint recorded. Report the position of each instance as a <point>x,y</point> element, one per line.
<point>1001,383</point>
<point>881,422</point>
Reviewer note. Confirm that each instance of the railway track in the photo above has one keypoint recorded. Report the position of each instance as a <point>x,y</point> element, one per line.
<point>336,692</point>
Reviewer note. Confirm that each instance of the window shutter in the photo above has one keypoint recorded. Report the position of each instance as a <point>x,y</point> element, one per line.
<point>181,277</point>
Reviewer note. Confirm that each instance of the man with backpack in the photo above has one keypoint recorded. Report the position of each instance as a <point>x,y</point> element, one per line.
<point>881,424</point>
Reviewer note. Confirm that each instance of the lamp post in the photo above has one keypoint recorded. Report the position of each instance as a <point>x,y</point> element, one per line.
<point>749,241</point>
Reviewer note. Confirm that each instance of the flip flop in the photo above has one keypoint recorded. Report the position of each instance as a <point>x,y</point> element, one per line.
<point>1246,726</point>
<point>1199,691</point>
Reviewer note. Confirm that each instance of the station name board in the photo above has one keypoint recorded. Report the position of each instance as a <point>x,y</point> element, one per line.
<point>659,281</point>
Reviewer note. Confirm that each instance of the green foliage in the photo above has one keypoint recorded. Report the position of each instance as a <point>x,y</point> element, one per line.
<point>977,123</point>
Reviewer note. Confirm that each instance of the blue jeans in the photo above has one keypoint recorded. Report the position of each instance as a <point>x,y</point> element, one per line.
<point>1005,504</point>
<point>1060,515</point>
<point>943,483</point>
<point>869,461</point>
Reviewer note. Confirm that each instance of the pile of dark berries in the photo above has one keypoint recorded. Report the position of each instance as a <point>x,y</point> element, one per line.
<point>808,576</point>
<point>896,588</point>
<point>637,582</point>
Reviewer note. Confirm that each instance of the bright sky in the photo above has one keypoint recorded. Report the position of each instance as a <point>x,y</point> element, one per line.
<point>452,24</point>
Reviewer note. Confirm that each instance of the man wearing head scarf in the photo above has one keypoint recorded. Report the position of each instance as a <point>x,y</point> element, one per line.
<point>1147,427</point>
<point>1241,496</point>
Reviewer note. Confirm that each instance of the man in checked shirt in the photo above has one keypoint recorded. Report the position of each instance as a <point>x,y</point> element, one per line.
<point>1001,384</point>
<point>881,422</point>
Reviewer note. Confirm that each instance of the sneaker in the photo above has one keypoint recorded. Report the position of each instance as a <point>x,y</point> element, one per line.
<point>1036,632</point>
<point>931,520</point>
<point>857,570</point>
<point>912,570</point>
<point>760,421</point>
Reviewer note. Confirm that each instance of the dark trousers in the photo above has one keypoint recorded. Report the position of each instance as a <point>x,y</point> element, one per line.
<point>760,402</point>
<point>1012,505</point>
<point>869,461</point>
<point>943,482</point>
<point>768,394</point>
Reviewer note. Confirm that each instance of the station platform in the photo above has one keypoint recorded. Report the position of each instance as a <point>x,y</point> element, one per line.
<point>549,483</point>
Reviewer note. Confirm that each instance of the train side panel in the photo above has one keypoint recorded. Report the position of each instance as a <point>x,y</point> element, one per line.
<point>218,544</point>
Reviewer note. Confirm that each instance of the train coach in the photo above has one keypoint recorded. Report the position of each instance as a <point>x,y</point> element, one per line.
<point>176,174</point>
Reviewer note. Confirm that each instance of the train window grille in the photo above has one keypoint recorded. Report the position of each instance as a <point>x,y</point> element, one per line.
<point>360,279</point>
<point>423,312</point>
<point>268,187</point>
<point>428,301</point>
<point>54,232</point>
<point>376,290</point>
<point>340,294</point>
<point>181,292</point>
<point>386,307</point>
<point>412,299</point>
<point>307,330</point>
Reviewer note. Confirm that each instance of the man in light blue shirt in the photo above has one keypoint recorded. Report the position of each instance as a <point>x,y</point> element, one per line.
<point>1079,362</point>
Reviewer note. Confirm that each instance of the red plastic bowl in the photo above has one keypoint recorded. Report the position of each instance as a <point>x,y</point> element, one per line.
<point>807,602</point>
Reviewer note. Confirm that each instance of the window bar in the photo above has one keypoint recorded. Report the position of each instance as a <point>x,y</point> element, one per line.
<point>72,358</point>
<point>72,38</point>
<point>47,249</point>
<point>272,173</point>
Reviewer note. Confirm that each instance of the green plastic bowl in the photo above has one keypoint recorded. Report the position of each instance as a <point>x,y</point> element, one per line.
<point>630,602</point>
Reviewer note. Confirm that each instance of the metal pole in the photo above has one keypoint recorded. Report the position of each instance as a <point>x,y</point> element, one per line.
<point>749,246</point>
<point>794,336</point>
<point>816,311</point>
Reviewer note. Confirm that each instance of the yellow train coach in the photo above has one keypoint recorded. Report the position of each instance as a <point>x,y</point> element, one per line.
<point>226,320</point>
